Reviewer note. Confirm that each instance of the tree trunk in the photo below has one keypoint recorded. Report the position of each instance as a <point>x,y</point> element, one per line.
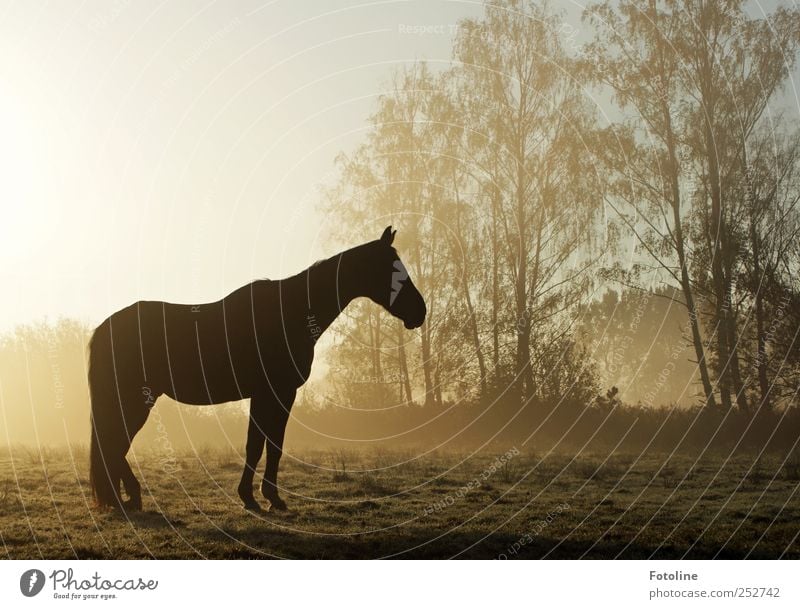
<point>686,285</point>
<point>722,304</point>
<point>495,281</point>
<point>437,382</point>
<point>727,357</point>
<point>426,364</point>
<point>761,356</point>
<point>522,368</point>
<point>402,364</point>
<point>473,322</point>
<point>476,341</point>
<point>736,378</point>
<point>376,349</point>
<point>761,338</point>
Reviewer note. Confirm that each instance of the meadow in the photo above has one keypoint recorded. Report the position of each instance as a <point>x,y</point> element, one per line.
<point>510,504</point>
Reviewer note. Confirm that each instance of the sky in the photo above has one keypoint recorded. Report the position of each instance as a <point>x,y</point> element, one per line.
<point>170,150</point>
<point>174,150</point>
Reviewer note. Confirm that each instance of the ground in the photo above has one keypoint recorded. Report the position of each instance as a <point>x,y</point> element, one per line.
<point>409,504</point>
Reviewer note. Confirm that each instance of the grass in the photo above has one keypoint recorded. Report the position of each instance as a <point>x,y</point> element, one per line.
<point>381,503</point>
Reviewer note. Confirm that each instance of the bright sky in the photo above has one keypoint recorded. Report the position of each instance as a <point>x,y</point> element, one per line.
<point>173,150</point>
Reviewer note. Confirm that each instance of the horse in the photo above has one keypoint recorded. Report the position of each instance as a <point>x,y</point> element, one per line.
<point>257,342</point>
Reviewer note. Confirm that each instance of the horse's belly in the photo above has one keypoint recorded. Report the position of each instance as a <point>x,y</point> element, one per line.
<point>193,383</point>
<point>198,398</point>
<point>192,364</point>
<point>206,376</point>
<point>211,357</point>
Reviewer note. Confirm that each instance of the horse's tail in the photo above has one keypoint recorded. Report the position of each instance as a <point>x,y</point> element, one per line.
<point>103,419</point>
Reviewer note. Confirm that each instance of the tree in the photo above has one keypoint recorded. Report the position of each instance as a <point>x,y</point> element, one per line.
<point>644,152</point>
<point>532,118</point>
<point>771,185</point>
<point>699,76</point>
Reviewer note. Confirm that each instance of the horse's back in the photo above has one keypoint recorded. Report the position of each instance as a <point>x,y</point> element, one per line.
<point>159,347</point>
<point>204,353</point>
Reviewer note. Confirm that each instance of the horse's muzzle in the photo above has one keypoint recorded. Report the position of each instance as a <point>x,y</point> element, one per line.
<point>414,322</point>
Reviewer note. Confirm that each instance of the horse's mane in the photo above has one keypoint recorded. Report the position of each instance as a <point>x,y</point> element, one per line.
<point>344,253</point>
<point>322,263</point>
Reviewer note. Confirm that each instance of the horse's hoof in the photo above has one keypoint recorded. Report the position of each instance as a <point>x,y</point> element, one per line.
<point>253,506</point>
<point>132,505</point>
<point>277,504</point>
<point>270,493</point>
<point>250,503</point>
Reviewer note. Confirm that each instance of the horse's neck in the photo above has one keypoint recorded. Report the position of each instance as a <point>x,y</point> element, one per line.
<point>330,288</point>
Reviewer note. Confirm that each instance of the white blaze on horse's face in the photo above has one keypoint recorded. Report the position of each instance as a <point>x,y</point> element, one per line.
<point>399,275</point>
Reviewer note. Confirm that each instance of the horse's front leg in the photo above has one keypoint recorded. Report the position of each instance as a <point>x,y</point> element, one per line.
<point>275,431</point>
<point>254,450</point>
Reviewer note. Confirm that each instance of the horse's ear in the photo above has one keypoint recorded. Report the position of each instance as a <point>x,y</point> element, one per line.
<point>388,235</point>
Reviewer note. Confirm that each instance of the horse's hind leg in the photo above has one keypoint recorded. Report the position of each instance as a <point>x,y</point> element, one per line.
<point>134,421</point>
<point>277,418</point>
<point>132,488</point>
<point>254,450</point>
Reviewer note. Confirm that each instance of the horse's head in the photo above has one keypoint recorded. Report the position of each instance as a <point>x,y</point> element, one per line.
<point>389,284</point>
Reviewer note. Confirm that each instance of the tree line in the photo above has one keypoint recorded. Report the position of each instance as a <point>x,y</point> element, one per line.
<point>534,175</point>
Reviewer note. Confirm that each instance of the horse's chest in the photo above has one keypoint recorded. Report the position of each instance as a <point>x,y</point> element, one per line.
<point>284,359</point>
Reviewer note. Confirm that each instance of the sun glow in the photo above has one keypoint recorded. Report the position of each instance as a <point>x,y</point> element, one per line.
<point>18,200</point>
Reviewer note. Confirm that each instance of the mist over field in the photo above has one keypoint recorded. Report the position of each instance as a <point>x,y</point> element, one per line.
<point>45,400</point>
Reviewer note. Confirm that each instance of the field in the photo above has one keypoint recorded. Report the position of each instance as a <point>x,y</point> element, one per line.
<point>408,504</point>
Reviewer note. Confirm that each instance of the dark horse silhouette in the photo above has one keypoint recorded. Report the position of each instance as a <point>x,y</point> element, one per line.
<point>257,342</point>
